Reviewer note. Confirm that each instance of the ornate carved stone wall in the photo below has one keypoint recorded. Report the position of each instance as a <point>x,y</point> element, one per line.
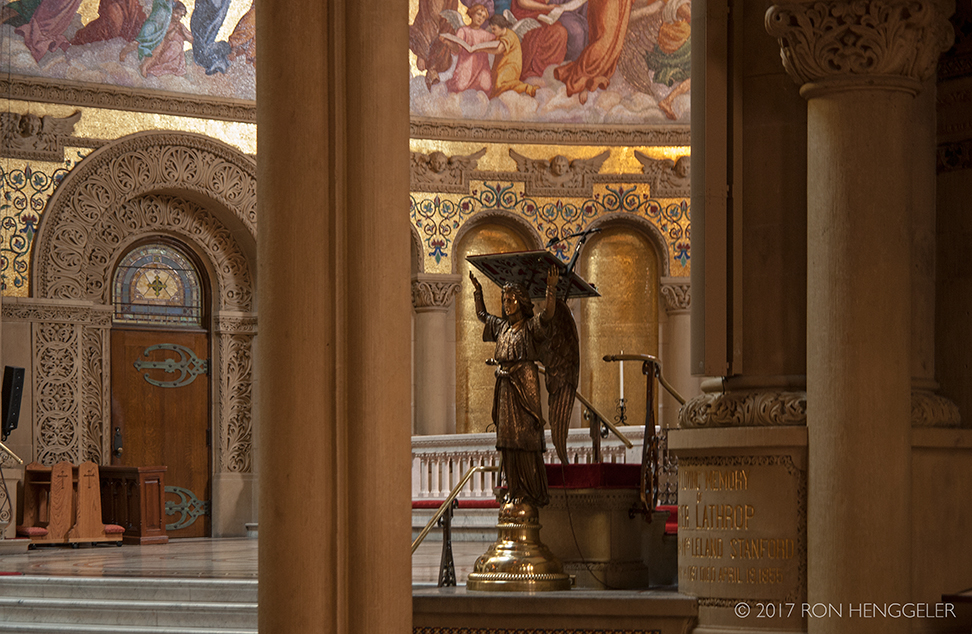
<point>190,187</point>
<point>234,407</point>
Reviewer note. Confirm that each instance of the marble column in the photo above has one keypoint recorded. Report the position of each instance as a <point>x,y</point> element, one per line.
<point>334,345</point>
<point>859,64</point>
<point>435,353</point>
<point>676,360</point>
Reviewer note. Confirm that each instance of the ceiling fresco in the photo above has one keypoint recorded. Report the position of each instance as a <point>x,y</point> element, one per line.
<point>197,47</point>
<point>592,62</point>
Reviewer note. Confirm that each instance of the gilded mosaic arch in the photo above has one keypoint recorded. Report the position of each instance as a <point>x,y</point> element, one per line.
<point>644,227</point>
<point>501,217</point>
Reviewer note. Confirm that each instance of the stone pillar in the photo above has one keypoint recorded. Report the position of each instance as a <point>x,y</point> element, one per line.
<point>741,444</point>
<point>333,378</point>
<point>435,353</point>
<point>860,65</point>
<point>676,361</point>
<point>928,408</point>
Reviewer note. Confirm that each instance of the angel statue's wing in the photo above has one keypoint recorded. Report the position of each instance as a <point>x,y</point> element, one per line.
<point>63,126</point>
<point>561,360</point>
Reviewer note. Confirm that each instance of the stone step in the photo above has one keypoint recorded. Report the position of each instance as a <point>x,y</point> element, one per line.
<point>33,604</point>
<point>142,589</point>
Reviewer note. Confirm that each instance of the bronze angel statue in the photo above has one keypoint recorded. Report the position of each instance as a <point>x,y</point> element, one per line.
<point>524,338</point>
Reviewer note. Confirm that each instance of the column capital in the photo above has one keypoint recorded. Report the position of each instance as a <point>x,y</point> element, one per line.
<point>677,292</point>
<point>861,44</point>
<point>434,292</point>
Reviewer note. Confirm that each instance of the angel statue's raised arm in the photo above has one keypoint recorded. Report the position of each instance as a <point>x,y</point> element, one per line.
<point>523,338</point>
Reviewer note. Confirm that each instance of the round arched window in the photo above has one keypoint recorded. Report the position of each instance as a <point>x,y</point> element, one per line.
<point>157,284</point>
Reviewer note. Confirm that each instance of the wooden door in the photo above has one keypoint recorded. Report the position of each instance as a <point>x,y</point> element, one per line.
<point>160,416</point>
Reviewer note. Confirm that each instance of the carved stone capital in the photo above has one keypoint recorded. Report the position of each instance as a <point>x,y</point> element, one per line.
<point>932,410</point>
<point>750,408</point>
<point>434,292</point>
<point>861,43</point>
<point>677,292</point>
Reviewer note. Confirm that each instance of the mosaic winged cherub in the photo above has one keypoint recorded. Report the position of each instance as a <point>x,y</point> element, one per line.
<point>524,338</point>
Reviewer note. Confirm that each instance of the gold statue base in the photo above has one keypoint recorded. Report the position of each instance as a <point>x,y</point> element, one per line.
<point>518,561</point>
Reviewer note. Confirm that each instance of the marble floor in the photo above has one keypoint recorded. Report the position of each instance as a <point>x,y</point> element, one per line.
<point>234,558</point>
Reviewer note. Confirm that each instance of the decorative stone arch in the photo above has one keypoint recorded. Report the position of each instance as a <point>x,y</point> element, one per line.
<point>115,193</point>
<point>187,186</point>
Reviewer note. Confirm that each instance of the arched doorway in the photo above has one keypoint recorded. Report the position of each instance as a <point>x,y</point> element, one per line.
<point>160,351</point>
<point>168,188</point>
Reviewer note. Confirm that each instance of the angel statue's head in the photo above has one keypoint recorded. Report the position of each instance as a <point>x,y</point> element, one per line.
<point>516,300</point>
<point>559,165</point>
<point>438,161</point>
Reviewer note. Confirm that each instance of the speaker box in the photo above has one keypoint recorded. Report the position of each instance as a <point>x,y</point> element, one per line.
<point>13,389</point>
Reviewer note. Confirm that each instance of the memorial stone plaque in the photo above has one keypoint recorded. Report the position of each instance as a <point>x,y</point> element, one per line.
<point>742,528</point>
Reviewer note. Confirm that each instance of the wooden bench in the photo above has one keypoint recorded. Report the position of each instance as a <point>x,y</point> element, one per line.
<point>62,505</point>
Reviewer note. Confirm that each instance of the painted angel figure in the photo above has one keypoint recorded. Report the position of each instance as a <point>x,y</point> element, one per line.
<point>523,339</point>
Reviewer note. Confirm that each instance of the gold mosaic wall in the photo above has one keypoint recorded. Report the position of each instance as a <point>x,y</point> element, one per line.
<point>622,260</point>
<point>27,185</point>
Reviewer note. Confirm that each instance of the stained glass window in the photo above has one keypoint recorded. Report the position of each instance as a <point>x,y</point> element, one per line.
<point>157,284</point>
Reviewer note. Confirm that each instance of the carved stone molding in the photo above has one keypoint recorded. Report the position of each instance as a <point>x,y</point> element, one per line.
<point>39,310</point>
<point>558,175</point>
<point>109,199</point>
<point>861,41</point>
<point>678,295</point>
<point>434,292</point>
<point>61,91</point>
<point>237,324</point>
<point>667,178</point>
<point>441,173</point>
<point>28,136</point>
<point>745,409</point>
<point>235,403</point>
<point>932,410</point>
<point>553,134</point>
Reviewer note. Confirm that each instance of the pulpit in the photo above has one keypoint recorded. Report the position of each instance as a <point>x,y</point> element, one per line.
<point>134,498</point>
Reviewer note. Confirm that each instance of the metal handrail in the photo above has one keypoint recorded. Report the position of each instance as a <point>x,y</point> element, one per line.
<point>590,407</point>
<point>647,358</point>
<point>448,501</point>
<point>11,453</point>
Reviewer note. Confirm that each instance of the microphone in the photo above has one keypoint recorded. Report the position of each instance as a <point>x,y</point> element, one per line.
<point>579,234</point>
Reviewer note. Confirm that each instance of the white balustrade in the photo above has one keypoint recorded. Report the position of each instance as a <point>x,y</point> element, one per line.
<point>439,462</point>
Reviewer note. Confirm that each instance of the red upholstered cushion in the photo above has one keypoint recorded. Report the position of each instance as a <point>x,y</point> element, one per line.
<point>113,529</point>
<point>32,531</point>
<point>602,475</point>
<point>463,504</point>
